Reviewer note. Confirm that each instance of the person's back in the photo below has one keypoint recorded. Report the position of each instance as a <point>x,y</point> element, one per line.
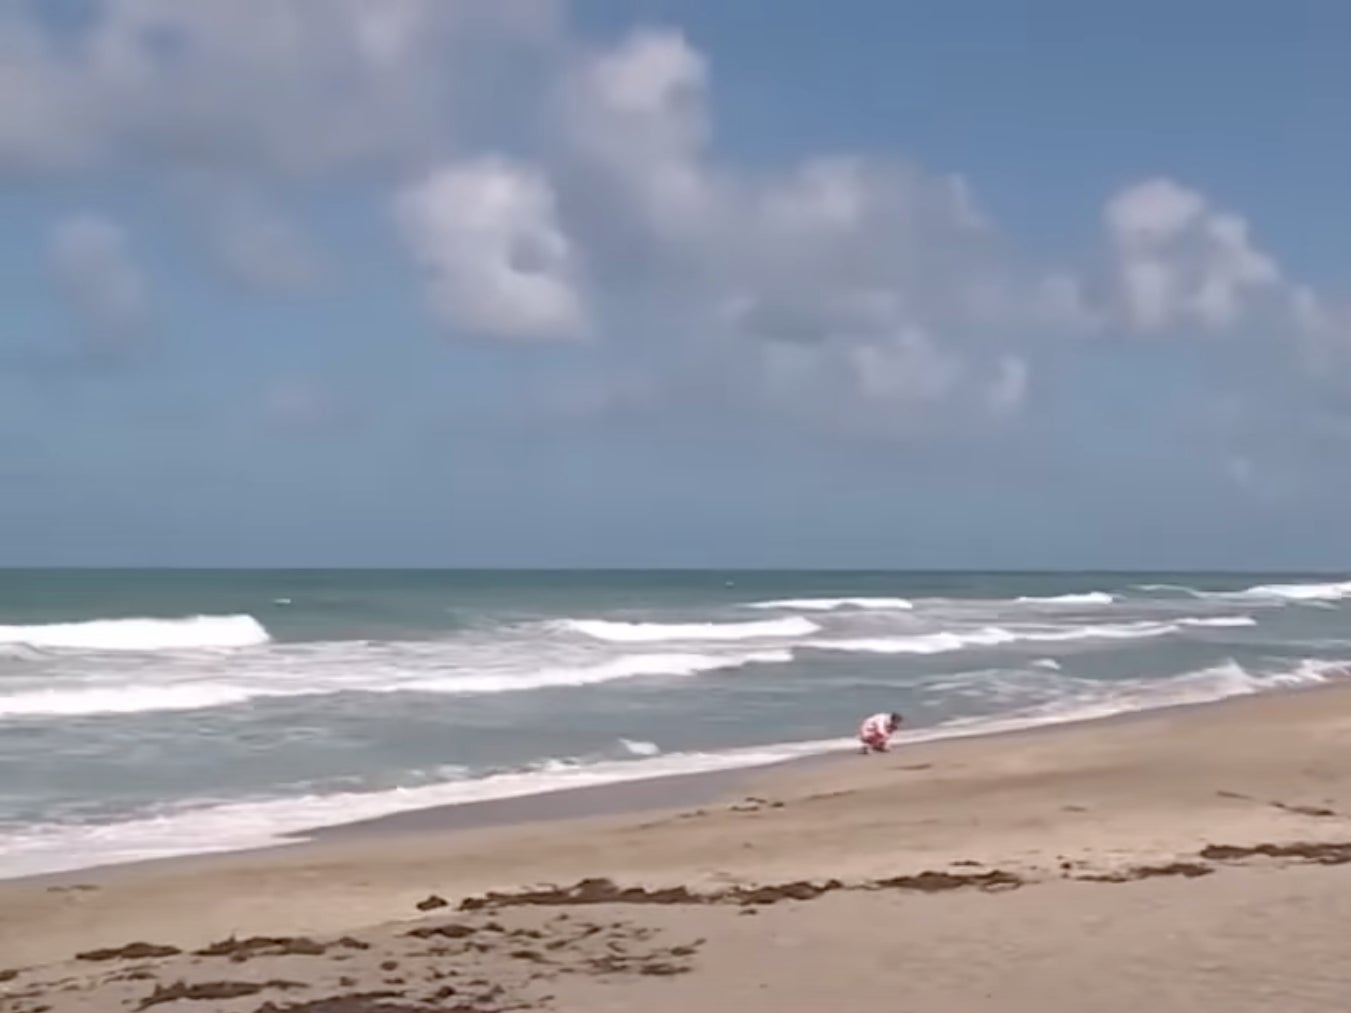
<point>876,731</point>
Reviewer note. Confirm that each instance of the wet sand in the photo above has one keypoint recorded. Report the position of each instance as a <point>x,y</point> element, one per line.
<point>1193,859</point>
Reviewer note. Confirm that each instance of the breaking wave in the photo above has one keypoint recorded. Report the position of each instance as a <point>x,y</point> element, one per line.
<point>998,636</point>
<point>832,604</point>
<point>190,633</point>
<point>637,633</point>
<point>1087,598</point>
<point>1332,591</point>
<point>145,697</point>
<point>216,827</point>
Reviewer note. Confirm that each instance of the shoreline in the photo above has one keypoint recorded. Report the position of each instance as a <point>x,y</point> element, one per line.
<point>672,791</point>
<point>635,796</point>
<point>610,800</point>
<point>1183,858</point>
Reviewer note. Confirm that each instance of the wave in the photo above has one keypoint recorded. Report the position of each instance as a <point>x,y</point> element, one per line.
<point>190,633</point>
<point>1332,591</point>
<point>638,747</point>
<point>1169,588</point>
<point>133,699</point>
<point>1087,598</point>
<point>1262,593</point>
<point>628,667</point>
<point>53,847</point>
<point>139,698</point>
<point>234,826</point>
<point>831,604</point>
<point>632,633</point>
<point>1089,699</point>
<point>998,636</point>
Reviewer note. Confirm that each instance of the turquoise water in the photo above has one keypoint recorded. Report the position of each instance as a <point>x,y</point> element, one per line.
<point>147,713</point>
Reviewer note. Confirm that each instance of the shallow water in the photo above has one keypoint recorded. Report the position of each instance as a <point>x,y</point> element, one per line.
<point>147,713</point>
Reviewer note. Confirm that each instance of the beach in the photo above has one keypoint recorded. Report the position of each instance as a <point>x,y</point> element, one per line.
<point>1185,859</point>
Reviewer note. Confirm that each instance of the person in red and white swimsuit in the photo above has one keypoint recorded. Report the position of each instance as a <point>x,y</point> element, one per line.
<point>875,733</point>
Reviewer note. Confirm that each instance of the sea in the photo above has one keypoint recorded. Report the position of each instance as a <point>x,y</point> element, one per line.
<point>168,712</point>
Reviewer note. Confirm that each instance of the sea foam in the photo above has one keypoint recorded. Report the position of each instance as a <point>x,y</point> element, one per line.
<point>997,636</point>
<point>191,694</point>
<point>1087,598</point>
<point>50,848</point>
<point>1332,591</point>
<point>635,633</point>
<point>189,633</point>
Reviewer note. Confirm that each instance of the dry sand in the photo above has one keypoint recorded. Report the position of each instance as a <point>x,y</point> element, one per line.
<point>1195,859</point>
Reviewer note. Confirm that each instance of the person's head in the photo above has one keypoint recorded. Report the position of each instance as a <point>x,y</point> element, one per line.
<point>894,719</point>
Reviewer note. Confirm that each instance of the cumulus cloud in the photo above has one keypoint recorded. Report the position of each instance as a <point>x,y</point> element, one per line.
<point>296,86</point>
<point>638,112</point>
<point>497,261</point>
<point>881,276</point>
<point>91,261</point>
<point>1180,262</point>
<point>860,291</point>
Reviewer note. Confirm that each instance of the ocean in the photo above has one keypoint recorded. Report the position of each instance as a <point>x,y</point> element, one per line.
<point>155,713</point>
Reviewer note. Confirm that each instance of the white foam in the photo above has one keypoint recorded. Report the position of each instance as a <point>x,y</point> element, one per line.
<point>1087,598</point>
<point>627,667</point>
<point>1218,622</point>
<point>637,747</point>
<point>259,822</point>
<point>1334,591</point>
<point>997,636</point>
<point>192,632</point>
<point>234,826</point>
<point>634,633</point>
<point>832,604</point>
<point>274,681</point>
<point>1099,699</point>
<point>122,699</point>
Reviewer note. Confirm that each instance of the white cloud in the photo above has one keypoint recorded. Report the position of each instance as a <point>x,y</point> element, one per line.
<point>91,261</point>
<point>639,113</point>
<point>887,276</point>
<point>839,285</point>
<point>486,234</point>
<point>1178,262</point>
<point>274,85</point>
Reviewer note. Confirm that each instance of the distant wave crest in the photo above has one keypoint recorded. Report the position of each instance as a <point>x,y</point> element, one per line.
<point>190,633</point>
<point>832,604</point>
<point>1331,591</point>
<point>998,636</point>
<point>1087,598</point>
<point>636,633</point>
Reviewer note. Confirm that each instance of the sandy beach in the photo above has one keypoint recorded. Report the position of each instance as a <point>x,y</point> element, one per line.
<point>1190,859</point>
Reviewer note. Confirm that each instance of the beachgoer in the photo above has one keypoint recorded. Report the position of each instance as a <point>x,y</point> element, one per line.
<point>875,733</point>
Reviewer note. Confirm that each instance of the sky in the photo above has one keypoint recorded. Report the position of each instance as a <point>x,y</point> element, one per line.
<point>773,283</point>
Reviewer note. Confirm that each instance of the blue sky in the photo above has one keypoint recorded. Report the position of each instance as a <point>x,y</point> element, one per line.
<point>436,282</point>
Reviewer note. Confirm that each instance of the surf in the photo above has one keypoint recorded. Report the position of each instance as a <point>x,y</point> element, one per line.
<point>630,633</point>
<point>833,604</point>
<point>998,636</point>
<point>188,633</point>
<point>1086,598</point>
